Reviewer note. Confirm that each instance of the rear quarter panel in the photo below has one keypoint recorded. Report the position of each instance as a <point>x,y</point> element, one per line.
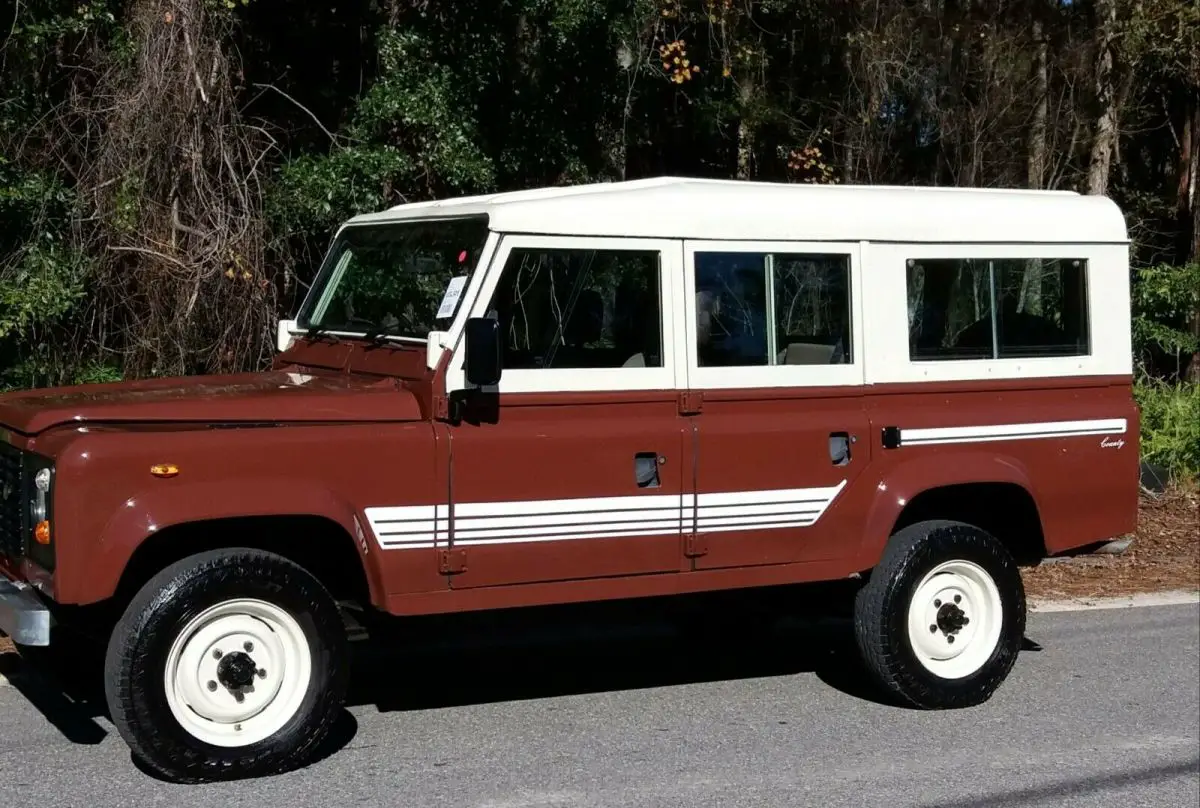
<point>1085,486</point>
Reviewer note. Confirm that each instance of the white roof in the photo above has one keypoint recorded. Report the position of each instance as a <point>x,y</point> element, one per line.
<point>671,207</point>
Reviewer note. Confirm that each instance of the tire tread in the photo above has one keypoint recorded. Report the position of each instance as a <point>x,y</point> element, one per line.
<point>126,653</point>
<point>883,649</point>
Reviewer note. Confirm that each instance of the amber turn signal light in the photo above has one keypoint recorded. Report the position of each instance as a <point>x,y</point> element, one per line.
<point>164,470</point>
<point>41,533</point>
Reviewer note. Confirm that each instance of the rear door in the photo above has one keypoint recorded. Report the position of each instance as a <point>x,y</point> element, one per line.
<point>577,466</point>
<point>772,345</point>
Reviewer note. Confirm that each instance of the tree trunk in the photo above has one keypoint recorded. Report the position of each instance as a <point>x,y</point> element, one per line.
<point>1189,200</point>
<point>745,132</point>
<point>1041,109</point>
<point>1189,177</point>
<point>1106,100</point>
<point>745,151</point>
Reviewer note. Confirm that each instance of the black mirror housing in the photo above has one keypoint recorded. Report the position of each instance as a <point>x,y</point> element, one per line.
<point>482,359</point>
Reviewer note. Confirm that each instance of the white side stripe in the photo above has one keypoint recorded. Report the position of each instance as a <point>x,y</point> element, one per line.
<point>565,506</point>
<point>995,432</point>
<point>409,526</point>
<point>488,523</point>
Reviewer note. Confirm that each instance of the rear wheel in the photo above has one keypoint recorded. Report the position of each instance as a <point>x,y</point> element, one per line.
<point>941,620</point>
<point>227,664</point>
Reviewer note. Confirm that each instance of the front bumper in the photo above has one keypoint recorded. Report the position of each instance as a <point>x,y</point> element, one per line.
<point>23,615</point>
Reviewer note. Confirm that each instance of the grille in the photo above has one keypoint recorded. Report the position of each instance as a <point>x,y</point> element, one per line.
<point>12,533</point>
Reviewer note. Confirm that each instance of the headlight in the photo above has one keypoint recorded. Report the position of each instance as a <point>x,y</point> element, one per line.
<point>40,542</point>
<point>41,495</point>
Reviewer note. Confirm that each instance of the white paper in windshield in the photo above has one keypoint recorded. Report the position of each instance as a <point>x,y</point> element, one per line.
<point>450,300</point>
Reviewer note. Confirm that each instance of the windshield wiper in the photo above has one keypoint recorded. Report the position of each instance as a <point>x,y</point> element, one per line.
<point>320,331</point>
<point>375,333</point>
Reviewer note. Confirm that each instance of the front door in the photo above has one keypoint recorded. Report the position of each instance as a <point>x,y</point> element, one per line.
<point>773,360</point>
<point>577,466</point>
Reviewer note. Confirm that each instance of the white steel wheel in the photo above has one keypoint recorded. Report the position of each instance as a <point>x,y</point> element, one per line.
<point>955,619</point>
<point>237,672</point>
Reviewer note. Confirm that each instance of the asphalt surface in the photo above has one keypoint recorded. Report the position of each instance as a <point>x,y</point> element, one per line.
<point>1105,713</point>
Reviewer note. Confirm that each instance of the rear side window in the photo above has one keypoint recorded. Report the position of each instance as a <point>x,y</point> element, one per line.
<point>772,309</point>
<point>579,308</point>
<point>997,308</point>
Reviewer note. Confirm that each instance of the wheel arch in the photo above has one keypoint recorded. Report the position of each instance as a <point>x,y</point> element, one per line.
<point>304,522</point>
<point>987,491</point>
<point>316,543</point>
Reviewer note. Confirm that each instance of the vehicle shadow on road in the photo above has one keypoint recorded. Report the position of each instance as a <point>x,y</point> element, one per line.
<point>450,662</point>
<point>440,662</point>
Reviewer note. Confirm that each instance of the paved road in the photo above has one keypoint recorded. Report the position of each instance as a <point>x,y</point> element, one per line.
<point>1107,712</point>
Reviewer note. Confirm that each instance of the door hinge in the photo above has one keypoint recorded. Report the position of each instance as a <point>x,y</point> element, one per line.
<point>441,408</point>
<point>690,402</point>
<point>452,562</point>
<point>696,545</point>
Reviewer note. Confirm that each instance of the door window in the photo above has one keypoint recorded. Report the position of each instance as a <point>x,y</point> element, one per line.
<point>569,308</point>
<point>767,308</point>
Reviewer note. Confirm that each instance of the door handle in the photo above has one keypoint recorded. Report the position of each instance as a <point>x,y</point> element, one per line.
<point>645,469</point>
<point>839,448</point>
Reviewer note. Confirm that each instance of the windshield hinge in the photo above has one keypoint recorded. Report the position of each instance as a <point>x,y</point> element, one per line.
<point>690,402</point>
<point>441,408</point>
<point>452,562</point>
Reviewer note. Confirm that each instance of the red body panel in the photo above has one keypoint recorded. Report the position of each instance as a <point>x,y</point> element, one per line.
<point>275,397</point>
<point>542,449</point>
<point>1085,487</point>
<point>340,429</point>
<point>772,440</point>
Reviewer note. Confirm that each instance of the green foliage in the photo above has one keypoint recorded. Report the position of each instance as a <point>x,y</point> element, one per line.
<point>426,106</point>
<point>42,286</point>
<point>1170,433</point>
<point>373,104</point>
<point>46,366</point>
<point>1163,299</point>
<point>314,193</point>
<point>414,127</point>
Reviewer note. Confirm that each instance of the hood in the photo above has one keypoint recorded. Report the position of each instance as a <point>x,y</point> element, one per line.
<point>270,397</point>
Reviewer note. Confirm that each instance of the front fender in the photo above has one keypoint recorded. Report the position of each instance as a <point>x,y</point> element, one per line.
<point>905,480</point>
<point>154,509</point>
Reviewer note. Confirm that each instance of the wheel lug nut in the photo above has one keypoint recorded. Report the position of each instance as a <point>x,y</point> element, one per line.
<point>262,673</point>
<point>937,603</point>
<point>240,698</point>
<point>966,620</point>
<point>217,653</point>
<point>249,646</point>
<point>958,598</point>
<point>948,639</point>
<point>933,629</point>
<point>212,685</point>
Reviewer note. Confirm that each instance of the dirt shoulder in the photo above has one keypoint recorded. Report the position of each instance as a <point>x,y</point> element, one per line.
<point>1164,556</point>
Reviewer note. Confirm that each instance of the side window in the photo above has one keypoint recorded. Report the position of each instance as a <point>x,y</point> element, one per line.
<point>1007,308</point>
<point>579,308</point>
<point>772,309</point>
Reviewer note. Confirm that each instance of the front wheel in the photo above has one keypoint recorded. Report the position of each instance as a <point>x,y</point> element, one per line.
<point>227,664</point>
<point>941,620</point>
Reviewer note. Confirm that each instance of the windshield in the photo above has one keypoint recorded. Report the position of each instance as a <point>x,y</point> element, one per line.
<point>402,279</point>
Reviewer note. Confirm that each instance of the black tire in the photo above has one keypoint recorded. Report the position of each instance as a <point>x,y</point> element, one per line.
<point>881,614</point>
<point>138,651</point>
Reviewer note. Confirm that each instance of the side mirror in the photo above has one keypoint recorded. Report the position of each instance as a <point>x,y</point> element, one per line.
<point>283,334</point>
<point>482,353</point>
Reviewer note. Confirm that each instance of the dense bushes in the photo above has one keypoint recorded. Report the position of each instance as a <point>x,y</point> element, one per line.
<point>1170,425</point>
<point>170,170</point>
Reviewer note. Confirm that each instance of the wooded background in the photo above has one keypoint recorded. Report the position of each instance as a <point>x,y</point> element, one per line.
<point>171,170</point>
